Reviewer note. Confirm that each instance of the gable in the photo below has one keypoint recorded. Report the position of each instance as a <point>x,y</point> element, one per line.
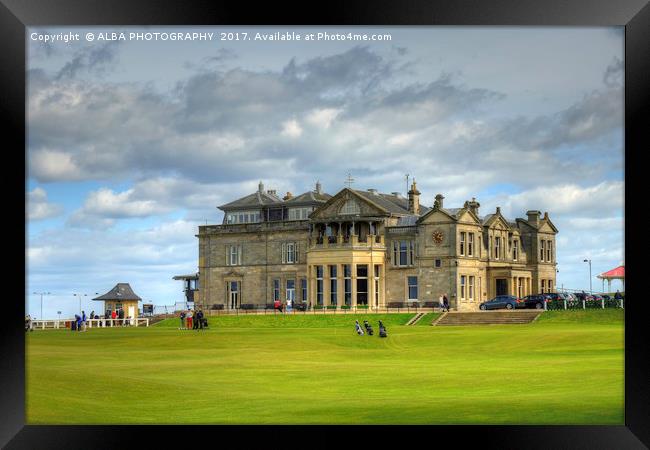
<point>347,204</point>
<point>547,227</point>
<point>466,215</point>
<point>436,216</point>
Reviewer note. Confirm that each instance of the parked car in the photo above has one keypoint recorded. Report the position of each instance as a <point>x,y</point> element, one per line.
<point>502,301</point>
<point>535,301</point>
<point>301,306</point>
<point>569,296</point>
<point>596,297</point>
<point>583,296</point>
<point>607,297</point>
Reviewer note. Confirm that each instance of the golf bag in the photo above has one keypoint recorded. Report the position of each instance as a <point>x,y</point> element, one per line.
<point>382,330</point>
<point>205,323</point>
<point>358,328</point>
<point>368,328</point>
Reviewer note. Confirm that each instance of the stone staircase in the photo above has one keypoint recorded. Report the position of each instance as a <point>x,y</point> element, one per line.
<point>415,319</point>
<point>487,318</point>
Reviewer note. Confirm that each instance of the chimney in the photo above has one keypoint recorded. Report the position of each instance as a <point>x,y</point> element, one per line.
<point>373,191</point>
<point>414,199</point>
<point>545,215</point>
<point>260,188</point>
<point>473,206</point>
<point>438,203</point>
<point>397,194</point>
<point>288,196</point>
<point>498,210</point>
<point>533,217</point>
<point>319,190</point>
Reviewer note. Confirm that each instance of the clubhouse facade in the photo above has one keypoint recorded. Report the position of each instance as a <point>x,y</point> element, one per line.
<point>361,248</point>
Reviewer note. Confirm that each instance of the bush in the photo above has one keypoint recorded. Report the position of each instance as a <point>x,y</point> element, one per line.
<point>345,306</point>
<point>318,306</point>
<point>362,306</point>
<point>396,305</point>
<point>331,306</point>
<point>217,307</point>
<point>248,306</point>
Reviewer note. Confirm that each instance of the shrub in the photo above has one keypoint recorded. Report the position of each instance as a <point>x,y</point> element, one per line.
<point>217,307</point>
<point>345,306</point>
<point>331,306</point>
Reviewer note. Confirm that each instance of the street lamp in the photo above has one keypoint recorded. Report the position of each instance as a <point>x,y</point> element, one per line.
<point>42,294</point>
<point>82,295</point>
<point>589,261</point>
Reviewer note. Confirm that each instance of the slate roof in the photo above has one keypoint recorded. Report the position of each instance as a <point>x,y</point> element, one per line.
<point>308,197</point>
<point>390,203</point>
<point>121,291</point>
<point>250,201</point>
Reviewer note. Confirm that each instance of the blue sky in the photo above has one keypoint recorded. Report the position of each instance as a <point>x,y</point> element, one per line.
<point>132,144</point>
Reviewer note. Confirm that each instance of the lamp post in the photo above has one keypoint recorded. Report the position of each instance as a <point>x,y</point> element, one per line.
<point>42,294</point>
<point>82,295</point>
<point>589,261</point>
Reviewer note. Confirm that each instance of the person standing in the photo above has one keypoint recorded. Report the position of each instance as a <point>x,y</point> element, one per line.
<point>182,316</point>
<point>441,302</point>
<point>199,319</point>
<point>113,317</point>
<point>121,316</point>
<point>445,302</point>
<point>189,319</point>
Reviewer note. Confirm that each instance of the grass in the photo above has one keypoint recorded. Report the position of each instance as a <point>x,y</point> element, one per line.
<point>565,368</point>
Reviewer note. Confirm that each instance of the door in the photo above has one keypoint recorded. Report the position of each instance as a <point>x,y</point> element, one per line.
<point>502,286</point>
<point>131,313</point>
<point>234,294</point>
<point>291,292</point>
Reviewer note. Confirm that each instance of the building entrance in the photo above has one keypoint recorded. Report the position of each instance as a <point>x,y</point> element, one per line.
<point>502,286</point>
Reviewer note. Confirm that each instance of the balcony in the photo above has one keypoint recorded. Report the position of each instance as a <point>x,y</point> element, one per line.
<point>352,241</point>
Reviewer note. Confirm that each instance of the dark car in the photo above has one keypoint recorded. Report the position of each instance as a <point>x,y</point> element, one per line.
<point>301,306</point>
<point>502,301</point>
<point>583,296</point>
<point>607,297</point>
<point>596,297</point>
<point>536,301</point>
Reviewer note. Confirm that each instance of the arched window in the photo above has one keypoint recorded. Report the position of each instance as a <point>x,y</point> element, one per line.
<point>350,207</point>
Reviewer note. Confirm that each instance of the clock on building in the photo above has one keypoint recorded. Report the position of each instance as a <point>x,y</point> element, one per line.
<point>437,236</point>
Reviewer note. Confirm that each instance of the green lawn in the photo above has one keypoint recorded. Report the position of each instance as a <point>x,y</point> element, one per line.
<point>567,367</point>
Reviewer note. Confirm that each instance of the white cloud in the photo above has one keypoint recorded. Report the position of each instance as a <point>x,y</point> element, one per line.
<point>291,128</point>
<point>38,207</point>
<point>322,118</point>
<point>53,165</point>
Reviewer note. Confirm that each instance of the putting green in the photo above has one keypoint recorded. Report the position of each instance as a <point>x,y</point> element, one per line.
<point>565,368</point>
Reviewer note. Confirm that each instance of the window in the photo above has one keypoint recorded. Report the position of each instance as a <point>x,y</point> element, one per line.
<point>291,290</point>
<point>471,288</point>
<point>276,290</point>
<point>319,285</point>
<point>550,285</point>
<point>303,287</point>
<point>462,287</point>
<point>541,250</point>
<point>548,251</point>
<point>289,252</point>
<point>347,279</point>
<point>333,286</point>
<point>350,207</point>
<point>377,274</point>
<point>497,247</point>
<point>470,245</point>
<point>462,243</point>
<point>413,288</point>
<point>242,217</point>
<point>362,284</point>
<point>515,249</point>
<point>403,253</point>
<point>438,263</point>
<point>299,213</point>
<point>543,286</point>
<point>233,255</point>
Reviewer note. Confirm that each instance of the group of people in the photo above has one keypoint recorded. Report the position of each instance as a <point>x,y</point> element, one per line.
<point>443,301</point>
<point>369,330</point>
<point>192,320</point>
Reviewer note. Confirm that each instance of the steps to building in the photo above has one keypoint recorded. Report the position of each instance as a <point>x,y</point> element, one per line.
<point>487,318</point>
<point>415,319</point>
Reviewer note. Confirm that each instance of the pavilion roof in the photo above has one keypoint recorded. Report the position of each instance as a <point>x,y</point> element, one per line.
<point>617,273</point>
<point>121,291</point>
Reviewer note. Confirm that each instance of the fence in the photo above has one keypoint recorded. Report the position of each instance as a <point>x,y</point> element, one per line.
<point>265,310</point>
<point>583,304</point>
<point>90,323</point>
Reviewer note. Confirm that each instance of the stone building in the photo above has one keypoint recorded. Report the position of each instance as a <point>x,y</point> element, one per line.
<point>369,248</point>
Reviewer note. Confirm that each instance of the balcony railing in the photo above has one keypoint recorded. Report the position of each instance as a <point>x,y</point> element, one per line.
<point>369,241</point>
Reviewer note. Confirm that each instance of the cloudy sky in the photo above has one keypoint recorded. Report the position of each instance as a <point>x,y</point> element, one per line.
<point>133,144</point>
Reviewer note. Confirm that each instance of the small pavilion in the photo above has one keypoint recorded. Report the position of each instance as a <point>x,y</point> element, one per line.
<point>614,274</point>
<point>121,297</point>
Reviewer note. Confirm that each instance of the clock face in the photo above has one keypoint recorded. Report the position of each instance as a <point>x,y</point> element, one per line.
<point>437,236</point>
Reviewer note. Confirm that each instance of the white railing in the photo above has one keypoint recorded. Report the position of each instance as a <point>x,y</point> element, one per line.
<point>90,323</point>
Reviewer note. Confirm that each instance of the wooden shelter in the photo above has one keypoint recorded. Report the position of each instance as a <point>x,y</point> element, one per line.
<point>121,297</point>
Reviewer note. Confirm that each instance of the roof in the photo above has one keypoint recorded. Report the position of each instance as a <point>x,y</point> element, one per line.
<point>191,276</point>
<point>255,199</point>
<point>121,291</point>
<point>391,203</point>
<point>618,272</point>
<point>308,197</point>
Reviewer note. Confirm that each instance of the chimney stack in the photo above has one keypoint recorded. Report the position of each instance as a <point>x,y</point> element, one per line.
<point>271,192</point>
<point>260,188</point>
<point>414,199</point>
<point>438,203</point>
<point>473,206</point>
<point>533,217</point>
<point>288,196</point>
<point>318,188</point>
<point>373,191</point>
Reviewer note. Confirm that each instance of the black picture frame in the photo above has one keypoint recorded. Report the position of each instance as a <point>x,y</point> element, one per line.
<point>15,15</point>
